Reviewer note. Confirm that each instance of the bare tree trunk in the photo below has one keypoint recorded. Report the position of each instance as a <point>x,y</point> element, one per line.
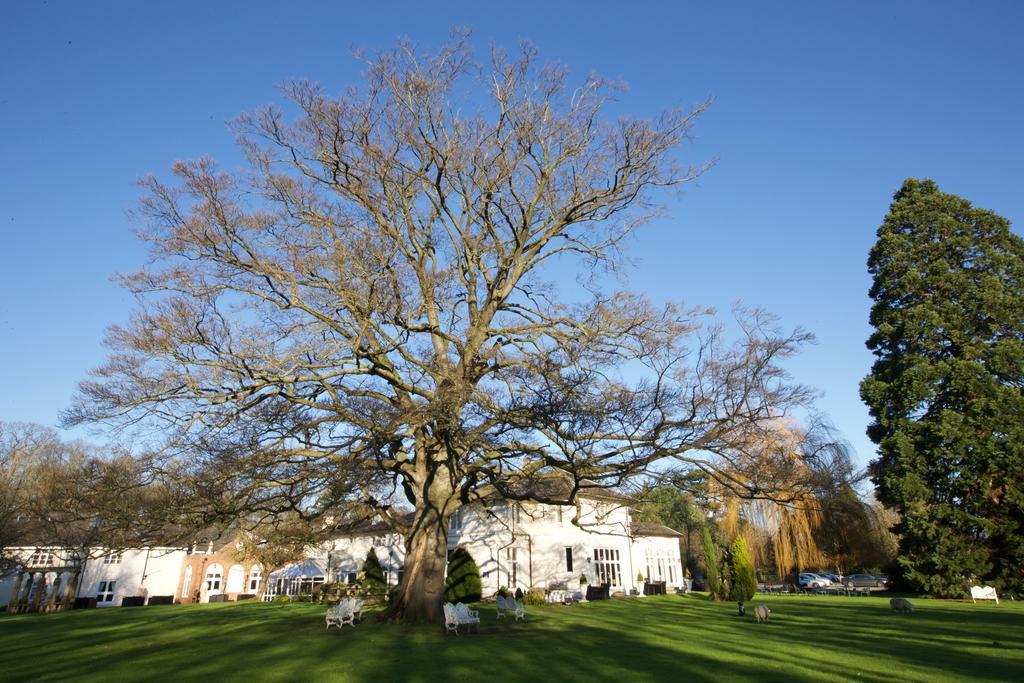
<point>421,592</point>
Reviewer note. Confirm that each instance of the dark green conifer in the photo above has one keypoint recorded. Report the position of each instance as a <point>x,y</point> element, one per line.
<point>463,583</point>
<point>946,392</point>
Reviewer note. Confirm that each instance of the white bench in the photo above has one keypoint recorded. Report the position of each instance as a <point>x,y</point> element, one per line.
<point>459,614</point>
<point>510,606</point>
<point>345,612</point>
<point>984,593</point>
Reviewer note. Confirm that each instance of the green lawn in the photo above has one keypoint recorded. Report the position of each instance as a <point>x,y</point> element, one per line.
<point>655,638</point>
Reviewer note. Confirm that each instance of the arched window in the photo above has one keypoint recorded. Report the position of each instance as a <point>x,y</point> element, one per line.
<point>187,583</point>
<point>214,577</point>
<point>255,576</point>
<point>236,579</point>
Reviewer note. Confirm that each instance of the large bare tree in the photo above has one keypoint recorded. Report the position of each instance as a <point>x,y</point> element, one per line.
<point>368,302</point>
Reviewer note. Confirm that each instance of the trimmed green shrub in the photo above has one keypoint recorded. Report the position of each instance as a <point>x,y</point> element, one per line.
<point>534,596</point>
<point>372,580</point>
<point>503,592</point>
<point>744,582</point>
<point>463,583</point>
<point>282,598</point>
<point>519,594</point>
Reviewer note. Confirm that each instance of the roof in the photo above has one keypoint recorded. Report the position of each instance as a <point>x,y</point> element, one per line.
<point>649,529</point>
<point>300,570</point>
<point>558,485</point>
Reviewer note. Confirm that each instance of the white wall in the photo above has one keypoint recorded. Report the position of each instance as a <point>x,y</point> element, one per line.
<point>540,536</point>
<point>161,567</point>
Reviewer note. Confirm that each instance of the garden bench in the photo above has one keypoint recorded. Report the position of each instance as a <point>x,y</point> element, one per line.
<point>345,612</point>
<point>510,606</point>
<point>984,593</point>
<point>459,614</point>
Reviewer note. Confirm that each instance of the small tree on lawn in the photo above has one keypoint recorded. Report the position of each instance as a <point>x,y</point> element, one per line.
<point>373,574</point>
<point>744,583</point>
<point>714,582</point>
<point>463,583</point>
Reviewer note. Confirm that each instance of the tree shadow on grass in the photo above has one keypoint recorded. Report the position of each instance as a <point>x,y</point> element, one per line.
<point>663,638</point>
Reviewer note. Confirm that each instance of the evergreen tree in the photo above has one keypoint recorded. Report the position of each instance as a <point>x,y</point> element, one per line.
<point>463,583</point>
<point>373,574</point>
<point>744,583</point>
<point>714,583</point>
<point>945,391</point>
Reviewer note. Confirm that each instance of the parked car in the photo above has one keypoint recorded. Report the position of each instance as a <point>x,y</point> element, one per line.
<point>808,580</point>
<point>862,580</point>
<point>883,580</point>
<point>831,577</point>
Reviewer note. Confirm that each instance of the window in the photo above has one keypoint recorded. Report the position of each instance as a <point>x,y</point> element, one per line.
<point>560,521</point>
<point>105,592</point>
<point>187,584</point>
<point>214,575</point>
<point>511,555</point>
<point>42,558</point>
<point>351,579</point>
<point>113,557</point>
<point>255,576</point>
<point>650,561</point>
<point>606,565</point>
<point>455,521</point>
<point>568,558</point>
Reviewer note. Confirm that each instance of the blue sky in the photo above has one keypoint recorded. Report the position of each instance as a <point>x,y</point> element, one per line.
<point>821,109</point>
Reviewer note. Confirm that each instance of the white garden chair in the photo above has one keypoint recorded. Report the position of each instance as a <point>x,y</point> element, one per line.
<point>510,606</point>
<point>459,614</point>
<point>344,613</point>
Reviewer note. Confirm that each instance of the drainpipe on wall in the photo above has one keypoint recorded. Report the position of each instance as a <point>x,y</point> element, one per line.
<point>529,552</point>
<point>145,565</point>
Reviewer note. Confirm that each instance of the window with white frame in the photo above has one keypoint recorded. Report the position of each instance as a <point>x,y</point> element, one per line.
<point>42,558</point>
<point>568,559</point>
<point>187,583</point>
<point>649,557</point>
<point>512,559</point>
<point>105,591</point>
<point>214,577</point>
<point>606,566</point>
<point>255,576</point>
<point>455,521</point>
<point>113,557</point>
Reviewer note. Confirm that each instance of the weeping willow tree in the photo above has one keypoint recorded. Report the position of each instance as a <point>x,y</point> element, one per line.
<point>771,495</point>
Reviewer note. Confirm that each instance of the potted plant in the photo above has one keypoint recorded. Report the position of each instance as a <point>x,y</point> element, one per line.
<point>640,584</point>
